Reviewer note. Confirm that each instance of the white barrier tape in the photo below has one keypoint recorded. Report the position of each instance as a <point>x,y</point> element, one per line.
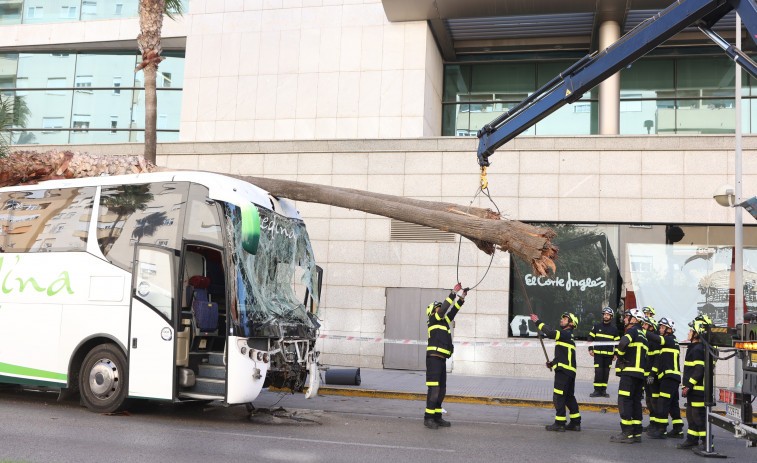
<point>460,343</point>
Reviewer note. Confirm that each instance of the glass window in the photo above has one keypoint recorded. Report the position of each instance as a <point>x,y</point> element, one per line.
<point>647,117</point>
<point>648,78</point>
<point>457,82</point>
<point>142,213</point>
<point>46,11</point>
<point>706,76</point>
<point>88,7</point>
<point>45,220</point>
<point>203,223</point>
<point>69,92</point>
<point>154,279</point>
<point>10,12</point>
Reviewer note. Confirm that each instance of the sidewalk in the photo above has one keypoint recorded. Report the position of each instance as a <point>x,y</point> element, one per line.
<point>528,392</point>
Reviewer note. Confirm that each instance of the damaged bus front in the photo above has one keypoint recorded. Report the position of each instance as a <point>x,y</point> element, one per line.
<point>276,290</point>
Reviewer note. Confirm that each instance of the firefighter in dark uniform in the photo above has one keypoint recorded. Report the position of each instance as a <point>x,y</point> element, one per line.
<point>693,384</point>
<point>668,372</point>
<point>603,354</point>
<point>632,356</point>
<point>564,365</point>
<point>651,383</point>
<point>438,351</point>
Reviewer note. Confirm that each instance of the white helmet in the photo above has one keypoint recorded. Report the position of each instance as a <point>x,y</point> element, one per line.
<point>669,323</point>
<point>638,314</point>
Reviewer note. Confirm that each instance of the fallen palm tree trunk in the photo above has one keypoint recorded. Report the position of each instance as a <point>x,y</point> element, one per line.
<point>482,226</point>
<point>531,244</point>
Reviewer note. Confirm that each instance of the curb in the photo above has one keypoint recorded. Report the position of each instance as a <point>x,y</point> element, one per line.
<point>467,399</point>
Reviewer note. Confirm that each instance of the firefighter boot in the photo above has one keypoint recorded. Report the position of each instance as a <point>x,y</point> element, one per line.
<point>604,392</point>
<point>557,426</point>
<point>574,425</point>
<point>596,393</point>
<point>442,422</point>
<point>688,444</point>
<point>430,423</point>
<point>676,432</point>
<point>655,431</point>
<point>622,438</point>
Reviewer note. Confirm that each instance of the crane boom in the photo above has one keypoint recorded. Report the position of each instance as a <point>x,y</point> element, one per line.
<point>592,69</point>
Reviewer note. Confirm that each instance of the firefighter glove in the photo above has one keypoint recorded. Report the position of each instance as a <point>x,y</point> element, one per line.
<point>458,287</point>
<point>685,392</point>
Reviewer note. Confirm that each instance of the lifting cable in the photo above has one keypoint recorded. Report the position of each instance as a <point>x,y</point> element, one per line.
<point>484,188</point>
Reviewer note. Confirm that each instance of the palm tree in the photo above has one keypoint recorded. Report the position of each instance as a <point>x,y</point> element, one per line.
<point>123,201</point>
<point>13,113</point>
<point>150,26</point>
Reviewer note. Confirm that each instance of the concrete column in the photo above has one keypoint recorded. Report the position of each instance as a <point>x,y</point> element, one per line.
<point>609,90</point>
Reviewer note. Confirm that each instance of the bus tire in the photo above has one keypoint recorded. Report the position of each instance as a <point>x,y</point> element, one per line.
<point>103,379</point>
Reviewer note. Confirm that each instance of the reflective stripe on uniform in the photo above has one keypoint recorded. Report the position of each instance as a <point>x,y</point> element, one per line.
<point>558,391</point>
<point>437,327</point>
<point>625,393</point>
<point>697,404</point>
<point>560,418</point>
<point>575,415</point>
<point>432,383</point>
<point>439,349</point>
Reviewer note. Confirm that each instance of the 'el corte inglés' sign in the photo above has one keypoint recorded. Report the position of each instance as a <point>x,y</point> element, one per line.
<point>566,283</point>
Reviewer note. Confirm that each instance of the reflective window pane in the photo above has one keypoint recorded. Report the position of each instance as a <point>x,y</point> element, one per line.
<point>579,118</point>
<point>10,12</point>
<point>457,82</point>
<point>87,98</point>
<point>646,117</point>
<point>45,220</point>
<point>648,78</point>
<point>706,116</point>
<point>706,76</point>
<point>109,9</point>
<point>48,11</point>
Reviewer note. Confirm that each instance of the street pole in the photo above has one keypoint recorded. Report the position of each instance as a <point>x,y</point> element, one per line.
<point>738,261</point>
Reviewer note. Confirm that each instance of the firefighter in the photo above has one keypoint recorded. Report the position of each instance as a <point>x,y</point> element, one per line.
<point>603,354</point>
<point>668,373</point>
<point>439,349</point>
<point>564,365</point>
<point>693,384</point>
<point>651,383</point>
<point>632,356</point>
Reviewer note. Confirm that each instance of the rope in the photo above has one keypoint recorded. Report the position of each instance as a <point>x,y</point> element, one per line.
<point>481,189</point>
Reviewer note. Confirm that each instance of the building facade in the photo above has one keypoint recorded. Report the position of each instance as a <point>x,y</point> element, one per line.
<point>381,96</point>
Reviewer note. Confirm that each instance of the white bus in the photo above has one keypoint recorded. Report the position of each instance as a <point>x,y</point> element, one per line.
<point>168,286</point>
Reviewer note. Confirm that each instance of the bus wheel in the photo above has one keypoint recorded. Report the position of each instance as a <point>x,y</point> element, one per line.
<point>102,380</point>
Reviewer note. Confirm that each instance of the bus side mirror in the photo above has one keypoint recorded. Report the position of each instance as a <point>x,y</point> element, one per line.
<point>250,228</point>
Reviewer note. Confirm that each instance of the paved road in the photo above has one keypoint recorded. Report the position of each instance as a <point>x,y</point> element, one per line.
<point>35,428</point>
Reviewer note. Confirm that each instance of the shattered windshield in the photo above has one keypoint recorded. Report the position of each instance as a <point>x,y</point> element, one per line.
<point>271,284</point>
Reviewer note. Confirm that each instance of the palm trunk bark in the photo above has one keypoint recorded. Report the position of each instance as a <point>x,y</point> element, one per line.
<point>531,244</point>
<point>485,228</point>
<point>151,114</point>
<point>150,26</point>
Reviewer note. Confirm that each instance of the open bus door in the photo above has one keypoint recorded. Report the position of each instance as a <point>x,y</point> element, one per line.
<point>151,334</point>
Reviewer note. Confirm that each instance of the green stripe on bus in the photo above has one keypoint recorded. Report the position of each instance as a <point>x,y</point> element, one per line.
<point>18,370</point>
<point>29,382</point>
